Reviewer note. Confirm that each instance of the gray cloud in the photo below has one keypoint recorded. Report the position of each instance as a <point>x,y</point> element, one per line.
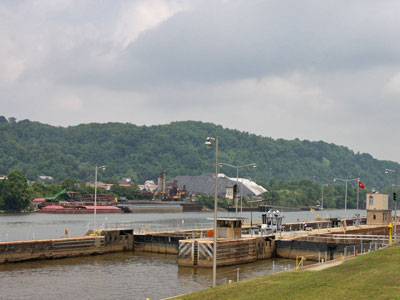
<point>318,70</point>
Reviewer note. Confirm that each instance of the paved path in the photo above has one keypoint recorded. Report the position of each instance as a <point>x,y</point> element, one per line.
<point>322,266</point>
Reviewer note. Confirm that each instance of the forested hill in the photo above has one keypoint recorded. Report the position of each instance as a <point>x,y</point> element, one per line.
<point>141,152</point>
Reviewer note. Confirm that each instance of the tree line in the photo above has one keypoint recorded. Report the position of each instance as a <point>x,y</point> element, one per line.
<point>16,194</point>
<point>141,152</point>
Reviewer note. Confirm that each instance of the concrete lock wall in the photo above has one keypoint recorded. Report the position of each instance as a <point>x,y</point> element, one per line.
<point>199,252</point>
<point>156,243</point>
<point>310,250</point>
<point>42,249</point>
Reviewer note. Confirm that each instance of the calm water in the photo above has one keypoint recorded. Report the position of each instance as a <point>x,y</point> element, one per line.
<point>121,275</point>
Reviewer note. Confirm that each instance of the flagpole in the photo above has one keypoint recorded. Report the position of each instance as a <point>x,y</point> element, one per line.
<point>358,190</point>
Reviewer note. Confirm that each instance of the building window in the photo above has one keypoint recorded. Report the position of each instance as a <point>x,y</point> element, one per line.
<point>371,200</point>
<point>374,217</point>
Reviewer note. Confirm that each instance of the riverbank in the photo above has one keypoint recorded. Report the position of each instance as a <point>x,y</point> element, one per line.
<point>371,276</point>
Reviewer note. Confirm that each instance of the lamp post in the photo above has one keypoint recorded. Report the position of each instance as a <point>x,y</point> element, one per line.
<point>237,176</point>
<point>345,197</point>
<point>209,144</point>
<point>322,196</point>
<point>395,202</point>
<point>95,197</point>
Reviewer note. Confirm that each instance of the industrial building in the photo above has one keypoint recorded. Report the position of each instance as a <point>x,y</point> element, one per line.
<point>205,184</point>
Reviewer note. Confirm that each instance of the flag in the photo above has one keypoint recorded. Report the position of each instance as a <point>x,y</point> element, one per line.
<point>360,184</point>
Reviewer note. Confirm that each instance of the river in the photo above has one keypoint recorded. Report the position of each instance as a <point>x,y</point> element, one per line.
<point>120,275</point>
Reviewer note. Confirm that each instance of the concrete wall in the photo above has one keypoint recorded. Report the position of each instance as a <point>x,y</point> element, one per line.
<point>45,249</point>
<point>229,252</point>
<point>156,243</point>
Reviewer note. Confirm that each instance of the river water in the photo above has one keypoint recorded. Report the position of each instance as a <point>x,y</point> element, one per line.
<point>120,275</point>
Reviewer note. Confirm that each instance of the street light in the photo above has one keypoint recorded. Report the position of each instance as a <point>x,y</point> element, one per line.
<point>345,198</point>
<point>395,202</point>
<point>95,197</point>
<point>237,177</point>
<point>322,195</point>
<point>208,145</point>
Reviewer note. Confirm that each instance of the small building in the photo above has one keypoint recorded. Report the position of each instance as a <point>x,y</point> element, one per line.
<point>148,186</point>
<point>378,212</point>
<point>229,228</point>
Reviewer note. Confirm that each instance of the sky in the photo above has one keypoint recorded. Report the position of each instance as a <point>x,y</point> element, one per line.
<point>316,70</point>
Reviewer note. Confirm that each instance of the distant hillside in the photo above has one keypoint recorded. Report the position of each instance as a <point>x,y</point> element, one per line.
<point>141,152</point>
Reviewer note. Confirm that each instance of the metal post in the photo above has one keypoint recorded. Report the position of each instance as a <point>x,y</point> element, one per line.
<point>273,267</point>
<point>215,215</point>
<point>237,190</point>
<point>326,256</point>
<point>319,257</point>
<point>358,190</point>
<point>237,274</point>
<point>395,209</point>
<point>95,202</point>
<point>345,205</point>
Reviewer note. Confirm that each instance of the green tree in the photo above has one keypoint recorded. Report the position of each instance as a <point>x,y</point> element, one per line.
<point>15,193</point>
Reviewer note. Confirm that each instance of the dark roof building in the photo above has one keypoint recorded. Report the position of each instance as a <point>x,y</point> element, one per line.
<point>205,184</point>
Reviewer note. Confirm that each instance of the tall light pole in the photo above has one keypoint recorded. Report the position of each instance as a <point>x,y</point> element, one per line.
<point>322,196</point>
<point>209,144</point>
<point>95,197</point>
<point>345,197</point>
<point>395,202</point>
<point>237,175</point>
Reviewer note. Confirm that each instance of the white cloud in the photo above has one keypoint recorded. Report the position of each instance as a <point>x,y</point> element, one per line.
<point>139,16</point>
<point>393,85</point>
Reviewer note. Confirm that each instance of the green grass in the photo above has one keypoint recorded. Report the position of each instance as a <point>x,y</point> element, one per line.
<point>374,275</point>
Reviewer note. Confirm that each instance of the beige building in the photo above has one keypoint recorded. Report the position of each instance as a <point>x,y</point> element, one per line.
<point>229,228</point>
<point>378,212</point>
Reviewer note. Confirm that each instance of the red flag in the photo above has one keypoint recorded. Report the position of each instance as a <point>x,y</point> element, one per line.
<point>360,184</point>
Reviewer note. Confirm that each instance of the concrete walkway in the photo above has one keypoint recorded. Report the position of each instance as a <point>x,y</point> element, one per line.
<point>322,266</point>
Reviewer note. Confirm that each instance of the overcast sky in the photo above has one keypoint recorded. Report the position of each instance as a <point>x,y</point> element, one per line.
<point>316,70</point>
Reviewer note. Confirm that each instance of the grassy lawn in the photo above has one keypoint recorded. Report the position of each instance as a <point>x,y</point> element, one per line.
<point>374,275</point>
